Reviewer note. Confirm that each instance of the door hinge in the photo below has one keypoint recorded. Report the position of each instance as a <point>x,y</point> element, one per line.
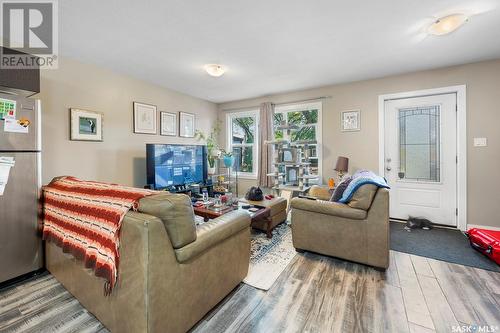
<point>456,107</point>
<point>456,211</point>
<point>456,159</point>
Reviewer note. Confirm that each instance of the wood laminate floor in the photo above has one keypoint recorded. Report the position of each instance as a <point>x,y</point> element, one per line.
<point>322,294</point>
<point>42,304</point>
<point>314,294</point>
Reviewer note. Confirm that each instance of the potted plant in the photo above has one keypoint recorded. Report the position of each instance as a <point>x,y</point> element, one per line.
<point>212,146</point>
<point>228,158</point>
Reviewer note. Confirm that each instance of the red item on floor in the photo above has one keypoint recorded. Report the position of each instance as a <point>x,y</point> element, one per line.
<point>486,242</point>
<point>269,197</point>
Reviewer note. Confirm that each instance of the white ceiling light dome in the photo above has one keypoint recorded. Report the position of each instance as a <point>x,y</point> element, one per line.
<point>215,70</point>
<point>447,24</point>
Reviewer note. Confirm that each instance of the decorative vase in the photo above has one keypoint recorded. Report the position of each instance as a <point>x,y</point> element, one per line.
<point>211,170</point>
<point>228,161</point>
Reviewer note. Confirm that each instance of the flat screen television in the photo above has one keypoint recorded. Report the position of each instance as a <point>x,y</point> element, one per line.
<point>171,165</point>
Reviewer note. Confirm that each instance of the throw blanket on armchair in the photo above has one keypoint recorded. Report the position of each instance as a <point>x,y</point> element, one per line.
<point>359,179</point>
<point>84,218</point>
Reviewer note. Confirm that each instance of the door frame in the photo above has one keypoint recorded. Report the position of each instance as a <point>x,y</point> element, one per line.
<point>460,91</point>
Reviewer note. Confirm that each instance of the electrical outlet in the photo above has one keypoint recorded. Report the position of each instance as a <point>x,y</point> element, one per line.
<point>480,142</point>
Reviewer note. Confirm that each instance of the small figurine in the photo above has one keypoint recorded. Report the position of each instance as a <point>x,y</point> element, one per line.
<point>331,183</point>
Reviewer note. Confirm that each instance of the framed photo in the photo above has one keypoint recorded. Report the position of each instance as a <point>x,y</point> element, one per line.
<point>168,123</point>
<point>85,125</point>
<point>144,118</point>
<point>351,120</point>
<point>186,124</point>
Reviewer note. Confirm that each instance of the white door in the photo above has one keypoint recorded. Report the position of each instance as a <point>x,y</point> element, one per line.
<point>421,157</point>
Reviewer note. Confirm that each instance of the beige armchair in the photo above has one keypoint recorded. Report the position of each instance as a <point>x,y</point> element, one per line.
<point>171,272</point>
<point>357,231</point>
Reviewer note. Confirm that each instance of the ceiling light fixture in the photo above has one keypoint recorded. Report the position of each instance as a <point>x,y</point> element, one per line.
<point>215,69</point>
<point>447,24</point>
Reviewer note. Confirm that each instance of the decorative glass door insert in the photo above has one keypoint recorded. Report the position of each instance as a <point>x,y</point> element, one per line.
<point>419,144</point>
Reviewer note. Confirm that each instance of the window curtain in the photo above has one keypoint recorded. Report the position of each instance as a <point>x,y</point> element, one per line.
<point>265,152</point>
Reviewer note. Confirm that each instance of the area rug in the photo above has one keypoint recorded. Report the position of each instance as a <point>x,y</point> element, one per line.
<point>269,257</point>
<point>439,243</point>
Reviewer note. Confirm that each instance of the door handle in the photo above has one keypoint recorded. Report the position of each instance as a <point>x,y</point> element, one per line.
<point>388,168</point>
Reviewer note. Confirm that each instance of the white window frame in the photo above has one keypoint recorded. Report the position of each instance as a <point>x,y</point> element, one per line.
<point>284,109</point>
<point>255,145</point>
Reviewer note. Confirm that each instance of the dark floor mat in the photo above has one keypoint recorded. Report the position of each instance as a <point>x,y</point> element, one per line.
<point>441,244</point>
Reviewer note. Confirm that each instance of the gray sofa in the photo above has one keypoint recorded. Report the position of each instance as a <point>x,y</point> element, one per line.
<point>171,272</point>
<point>357,231</point>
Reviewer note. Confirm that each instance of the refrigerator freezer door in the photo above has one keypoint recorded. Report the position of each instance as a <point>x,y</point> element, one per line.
<point>27,109</point>
<point>20,239</point>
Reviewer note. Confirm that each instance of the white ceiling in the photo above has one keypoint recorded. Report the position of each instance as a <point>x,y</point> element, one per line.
<point>271,46</point>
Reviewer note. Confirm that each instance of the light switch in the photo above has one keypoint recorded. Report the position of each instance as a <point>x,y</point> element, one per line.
<point>480,142</point>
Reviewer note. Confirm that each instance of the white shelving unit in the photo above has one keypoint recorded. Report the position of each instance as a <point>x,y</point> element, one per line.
<point>230,182</point>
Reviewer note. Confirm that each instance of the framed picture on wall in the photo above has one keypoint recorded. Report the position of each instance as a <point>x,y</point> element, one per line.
<point>351,120</point>
<point>168,123</point>
<point>144,118</point>
<point>85,125</point>
<point>186,124</point>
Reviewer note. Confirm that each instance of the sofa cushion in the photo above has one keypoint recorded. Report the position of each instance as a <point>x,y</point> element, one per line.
<point>320,192</point>
<point>363,197</point>
<point>328,208</point>
<point>176,213</point>
<point>214,232</point>
<point>339,190</point>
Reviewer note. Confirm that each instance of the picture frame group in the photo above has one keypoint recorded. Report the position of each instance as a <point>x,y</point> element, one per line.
<point>171,123</point>
<point>86,125</point>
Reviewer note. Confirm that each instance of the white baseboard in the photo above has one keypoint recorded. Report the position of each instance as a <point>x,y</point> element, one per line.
<point>487,227</point>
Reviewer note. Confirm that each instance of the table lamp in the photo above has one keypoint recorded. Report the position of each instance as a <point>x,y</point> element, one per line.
<point>342,166</point>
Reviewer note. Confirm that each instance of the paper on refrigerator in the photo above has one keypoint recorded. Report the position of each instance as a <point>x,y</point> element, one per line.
<point>5,164</point>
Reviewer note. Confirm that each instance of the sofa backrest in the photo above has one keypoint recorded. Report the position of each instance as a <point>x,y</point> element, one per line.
<point>176,213</point>
<point>363,197</point>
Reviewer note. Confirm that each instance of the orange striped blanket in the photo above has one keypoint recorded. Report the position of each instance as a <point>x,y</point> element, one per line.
<point>84,218</point>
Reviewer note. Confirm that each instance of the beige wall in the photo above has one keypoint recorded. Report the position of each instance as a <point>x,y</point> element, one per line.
<point>121,157</point>
<point>483,120</point>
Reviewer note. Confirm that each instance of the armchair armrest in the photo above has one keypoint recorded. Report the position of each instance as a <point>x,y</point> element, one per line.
<point>320,192</point>
<point>328,208</point>
<point>214,232</point>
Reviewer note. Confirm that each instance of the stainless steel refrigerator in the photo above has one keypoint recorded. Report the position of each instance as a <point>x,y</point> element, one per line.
<point>20,238</point>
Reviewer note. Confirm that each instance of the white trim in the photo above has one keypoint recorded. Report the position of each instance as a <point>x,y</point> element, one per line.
<point>487,227</point>
<point>460,91</point>
<point>229,143</point>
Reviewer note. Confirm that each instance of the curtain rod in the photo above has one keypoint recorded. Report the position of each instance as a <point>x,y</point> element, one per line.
<point>283,103</point>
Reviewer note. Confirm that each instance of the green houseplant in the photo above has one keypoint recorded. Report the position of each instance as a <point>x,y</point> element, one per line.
<point>210,140</point>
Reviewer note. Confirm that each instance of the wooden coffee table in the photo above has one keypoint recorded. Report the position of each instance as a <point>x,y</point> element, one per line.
<point>210,213</point>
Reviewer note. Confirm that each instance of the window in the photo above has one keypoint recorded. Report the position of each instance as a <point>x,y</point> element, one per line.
<point>307,117</point>
<point>243,140</point>
<point>243,133</point>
